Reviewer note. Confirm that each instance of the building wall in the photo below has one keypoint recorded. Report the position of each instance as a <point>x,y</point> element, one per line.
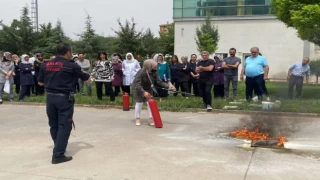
<point>279,44</point>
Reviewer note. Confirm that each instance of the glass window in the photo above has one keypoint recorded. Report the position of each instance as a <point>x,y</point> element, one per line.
<point>177,3</point>
<point>200,8</point>
<point>190,3</point>
<point>177,13</point>
<point>190,12</point>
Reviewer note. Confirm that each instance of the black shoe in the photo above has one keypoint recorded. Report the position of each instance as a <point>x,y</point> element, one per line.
<point>61,159</point>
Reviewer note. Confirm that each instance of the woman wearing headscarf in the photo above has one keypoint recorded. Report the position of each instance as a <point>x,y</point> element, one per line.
<point>119,57</point>
<point>6,73</point>
<point>194,79</point>
<point>117,68</point>
<point>143,87</point>
<point>218,78</point>
<point>104,73</point>
<point>16,78</point>
<point>183,74</point>
<point>26,77</point>
<point>130,67</point>
<point>164,73</point>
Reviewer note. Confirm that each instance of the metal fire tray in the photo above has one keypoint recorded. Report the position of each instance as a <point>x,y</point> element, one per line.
<point>265,144</point>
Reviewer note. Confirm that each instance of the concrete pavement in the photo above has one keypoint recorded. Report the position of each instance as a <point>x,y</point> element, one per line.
<point>107,145</point>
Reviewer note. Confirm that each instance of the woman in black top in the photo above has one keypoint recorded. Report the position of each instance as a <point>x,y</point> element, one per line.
<point>183,74</point>
<point>173,71</point>
<point>194,76</point>
<point>16,78</point>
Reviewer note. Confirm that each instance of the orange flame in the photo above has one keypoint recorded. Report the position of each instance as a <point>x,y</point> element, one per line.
<point>256,135</point>
<point>281,140</point>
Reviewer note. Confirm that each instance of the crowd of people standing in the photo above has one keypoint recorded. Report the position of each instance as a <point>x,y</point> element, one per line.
<point>195,75</point>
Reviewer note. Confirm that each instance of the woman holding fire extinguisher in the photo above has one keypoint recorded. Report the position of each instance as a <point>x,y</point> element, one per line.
<point>143,87</point>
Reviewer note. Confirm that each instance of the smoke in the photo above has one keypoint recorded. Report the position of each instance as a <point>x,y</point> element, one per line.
<point>273,124</point>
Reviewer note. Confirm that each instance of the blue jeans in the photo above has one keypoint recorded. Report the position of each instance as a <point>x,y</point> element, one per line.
<point>256,84</point>
<point>60,114</point>
<point>234,80</point>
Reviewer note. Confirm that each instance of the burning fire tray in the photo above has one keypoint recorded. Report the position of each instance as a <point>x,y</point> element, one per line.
<point>265,144</point>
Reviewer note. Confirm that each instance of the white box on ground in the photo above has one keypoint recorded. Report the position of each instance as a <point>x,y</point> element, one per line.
<point>267,105</point>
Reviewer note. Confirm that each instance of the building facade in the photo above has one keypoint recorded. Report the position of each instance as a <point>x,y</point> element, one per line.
<point>164,27</point>
<point>242,24</point>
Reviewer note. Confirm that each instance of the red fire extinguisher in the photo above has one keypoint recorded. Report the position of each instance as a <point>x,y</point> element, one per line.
<point>155,113</point>
<point>126,102</point>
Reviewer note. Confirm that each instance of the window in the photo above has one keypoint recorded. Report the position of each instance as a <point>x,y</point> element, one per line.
<point>245,56</point>
<point>200,8</point>
<point>224,55</point>
<point>177,3</point>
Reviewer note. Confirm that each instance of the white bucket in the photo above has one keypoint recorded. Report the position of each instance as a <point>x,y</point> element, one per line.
<point>267,105</point>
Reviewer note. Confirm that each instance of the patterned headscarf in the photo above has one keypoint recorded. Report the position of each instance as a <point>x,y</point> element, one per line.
<point>5,56</point>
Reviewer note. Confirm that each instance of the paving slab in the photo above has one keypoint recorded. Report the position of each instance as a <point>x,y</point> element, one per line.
<point>191,146</point>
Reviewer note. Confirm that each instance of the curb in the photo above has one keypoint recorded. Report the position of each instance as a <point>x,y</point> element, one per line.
<point>192,110</point>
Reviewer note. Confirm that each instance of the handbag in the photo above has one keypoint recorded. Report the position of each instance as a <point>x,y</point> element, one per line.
<point>7,87</point>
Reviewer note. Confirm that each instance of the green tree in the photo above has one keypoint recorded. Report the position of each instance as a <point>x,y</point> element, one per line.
<point>207,36</point>
<point>88,43</point>
<point>128,37</point>
<point>50,37</point>
<point>19,37</point>
<point>207,43</point>
<point>149,44</point>
<point>166,40</point>
<point>315,68</point>
<point>303,15</point>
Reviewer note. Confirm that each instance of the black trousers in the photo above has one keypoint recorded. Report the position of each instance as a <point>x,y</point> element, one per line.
<point>256,84</point>
<point>126,89</point>
<point>264,88</point>
<point>218,91</point>
<point>298,82</point>
<point>33,87</point>
<point>184,87</point>
<point>39,90</point>
<point>205,91</point>
<point>60,114</point>
<point>116,90</point>
<point>195,87</point>
<point>25,91</point>
<point>161,92</point>
<point>108,87</point>
<point>17,88</point>
<point>176,85</point>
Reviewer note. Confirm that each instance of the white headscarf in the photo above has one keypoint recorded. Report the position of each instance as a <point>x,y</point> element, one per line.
<point>23,59</point>
<point>218,56</point>
<point>164,61</point>
<point>132,58</point>
<point>155,57</point>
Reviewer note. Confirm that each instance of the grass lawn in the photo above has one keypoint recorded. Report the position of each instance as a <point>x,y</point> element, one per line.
<point>310,102</point>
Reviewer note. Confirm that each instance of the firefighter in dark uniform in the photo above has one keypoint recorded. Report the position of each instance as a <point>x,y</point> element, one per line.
<point>58,77</point>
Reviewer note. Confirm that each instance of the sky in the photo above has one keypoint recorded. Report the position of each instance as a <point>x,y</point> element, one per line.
<point>104,13</point>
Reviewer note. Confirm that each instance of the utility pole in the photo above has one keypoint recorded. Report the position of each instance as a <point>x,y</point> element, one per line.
<point>34,15</point>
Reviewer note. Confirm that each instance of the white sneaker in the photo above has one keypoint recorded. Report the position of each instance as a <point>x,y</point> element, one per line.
<point>255,99</point>
<point>209,107</point>
<point>268,98</point>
